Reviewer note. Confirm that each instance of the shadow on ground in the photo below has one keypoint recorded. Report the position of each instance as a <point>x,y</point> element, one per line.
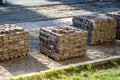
<point>57,11</point>
<point>14,3</point>
<point>23,65</point>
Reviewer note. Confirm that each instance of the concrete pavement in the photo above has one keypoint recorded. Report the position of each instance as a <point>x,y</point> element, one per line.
<point>35,2</point>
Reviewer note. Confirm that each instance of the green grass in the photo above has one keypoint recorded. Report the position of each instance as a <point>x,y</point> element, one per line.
<point>85,72</point>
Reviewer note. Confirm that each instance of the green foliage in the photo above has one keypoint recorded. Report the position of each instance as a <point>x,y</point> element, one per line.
<point>62,71</point>
<point>112,62</point>
<point>83,67</point>
<point>11,79</point>
<point>21,78</point>
<point>69,69</point>
<point>88,67</point>
<point>76,78</point>
<point>34,77</point>
<point>51,73</point>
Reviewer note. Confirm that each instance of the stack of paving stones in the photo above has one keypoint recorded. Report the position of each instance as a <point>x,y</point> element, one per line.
<point>62,43</point>
<point>116,15</point>
<point>101,28</point>
<point>14,42</point>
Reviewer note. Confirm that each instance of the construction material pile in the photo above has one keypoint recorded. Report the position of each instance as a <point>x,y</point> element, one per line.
<point>116,15</point>
<point>14,42</point>
<point>62,43</point>
<point>101,28</point>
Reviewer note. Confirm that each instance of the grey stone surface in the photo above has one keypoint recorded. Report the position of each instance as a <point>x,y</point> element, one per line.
<point>27,2</point>
<point>57,11</point>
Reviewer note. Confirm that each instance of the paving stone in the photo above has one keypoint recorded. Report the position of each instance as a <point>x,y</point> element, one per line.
<point>101,28</point>
<point>116,15</point>
<point>62,42</point>
<point>14,41</point>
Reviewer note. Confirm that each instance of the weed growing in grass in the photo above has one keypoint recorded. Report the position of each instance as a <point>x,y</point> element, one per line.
<point>83,67</point>
<point>34,77</point>
<point>76,78</point>
<point>51,73</point>
<point>69,69</point>
<point>62,71</point>
<point>11,79</point>
<point>112,62</point>
<point>76,69</point>
<point>21,78</point>
<point>88,67</point>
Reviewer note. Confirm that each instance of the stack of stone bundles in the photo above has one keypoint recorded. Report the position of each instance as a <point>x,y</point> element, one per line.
<point>62,43</point>
<point>14,41</point>
<point>116,15</point>
<point>101,28</point>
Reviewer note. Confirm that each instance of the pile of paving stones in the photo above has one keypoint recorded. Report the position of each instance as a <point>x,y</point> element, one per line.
<point>116,15</point>
<point>62,42</point>
<point>14,41</point>
<point>101,28</point>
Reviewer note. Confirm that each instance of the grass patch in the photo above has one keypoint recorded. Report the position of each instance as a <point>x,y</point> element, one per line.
<point>84,72</point>
<point>112,62</point>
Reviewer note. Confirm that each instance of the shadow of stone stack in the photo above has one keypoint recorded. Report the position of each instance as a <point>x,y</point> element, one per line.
<point>101,28</point>
<point>116,15</point>
<point>14,42</point>
<point>62,43</point>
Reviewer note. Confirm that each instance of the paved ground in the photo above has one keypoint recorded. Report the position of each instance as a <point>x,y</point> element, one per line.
<point>27,2</point>
<point>14,3</point>
<point>57,11</point>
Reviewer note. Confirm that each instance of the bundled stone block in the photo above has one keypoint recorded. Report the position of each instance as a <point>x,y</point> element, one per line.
<point>14,41</point>
<point>62,42</point>
<point>116,15</point>
<point>101,28</point>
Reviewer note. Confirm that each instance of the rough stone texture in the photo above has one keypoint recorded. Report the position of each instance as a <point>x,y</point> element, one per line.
<point>37,62</point>
<point>116,15</point>
<point>12,15</point>
<point>62,42</point>
<point>14,42</point>
<point>101,28</point>
<point>44,2</point>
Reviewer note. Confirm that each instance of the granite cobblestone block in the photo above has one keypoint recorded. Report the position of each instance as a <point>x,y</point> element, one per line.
<point>62,43</point>
<point>14,41</point>
<point>101,28</point>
